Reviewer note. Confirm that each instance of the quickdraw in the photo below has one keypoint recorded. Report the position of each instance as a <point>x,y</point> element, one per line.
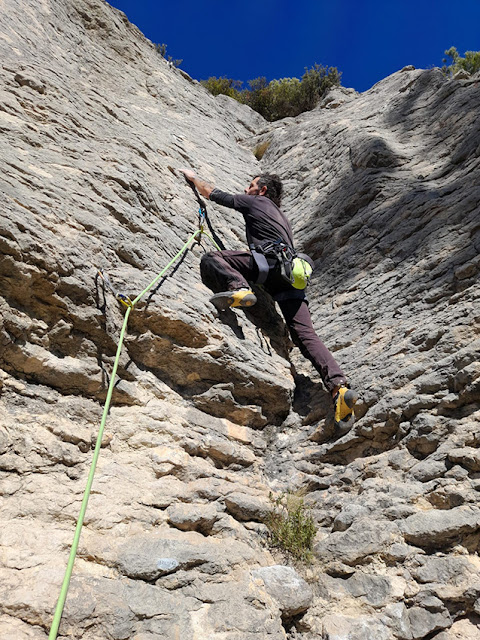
<point>121,297</point>
<point>203,217</point>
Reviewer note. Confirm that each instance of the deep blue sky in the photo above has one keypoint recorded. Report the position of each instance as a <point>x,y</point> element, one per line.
<point>366,40</point>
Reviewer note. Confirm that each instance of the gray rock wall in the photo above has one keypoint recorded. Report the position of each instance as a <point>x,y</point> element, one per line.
<point>384,191</point>
<point>210,414</point>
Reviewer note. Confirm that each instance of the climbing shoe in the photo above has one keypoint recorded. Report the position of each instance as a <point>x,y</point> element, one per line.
<point>240,298</point>
<point>343,403</point>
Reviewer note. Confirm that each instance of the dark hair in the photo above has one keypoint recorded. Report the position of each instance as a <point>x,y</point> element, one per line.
<point>274,187</point>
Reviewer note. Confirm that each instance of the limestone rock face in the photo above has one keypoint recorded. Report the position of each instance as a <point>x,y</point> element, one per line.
<point>211,413</point>
<point>292,593</point>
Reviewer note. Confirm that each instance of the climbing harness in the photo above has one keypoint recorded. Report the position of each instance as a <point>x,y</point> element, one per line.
<point>295,268</point>
<point>262,264</point>
<point>130,305</point>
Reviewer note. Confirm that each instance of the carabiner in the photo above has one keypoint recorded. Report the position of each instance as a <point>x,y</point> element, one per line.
<point>125,300</point>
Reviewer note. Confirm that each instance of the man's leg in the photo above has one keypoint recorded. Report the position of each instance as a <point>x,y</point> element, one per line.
<point>298,319</point>
<point>226,270</point>
<point>227,274</point>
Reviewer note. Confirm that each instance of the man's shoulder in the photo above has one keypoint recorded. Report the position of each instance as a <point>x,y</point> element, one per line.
<point>243,198</point>
<point>256,202</point>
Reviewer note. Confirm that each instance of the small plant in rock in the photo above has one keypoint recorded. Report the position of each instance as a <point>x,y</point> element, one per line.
<point>291,526</point>
<point>162,50</point>
<point>260,149</point>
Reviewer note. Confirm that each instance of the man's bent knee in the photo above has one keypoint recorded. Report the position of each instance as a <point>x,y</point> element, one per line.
<point>210,270</point>
<point>208,257</point>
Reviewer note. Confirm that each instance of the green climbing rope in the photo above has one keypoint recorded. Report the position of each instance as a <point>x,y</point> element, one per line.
<point>130,304</point>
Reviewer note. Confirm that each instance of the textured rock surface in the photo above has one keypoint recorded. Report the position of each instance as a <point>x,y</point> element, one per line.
<point>292,593</point>
<point>211,414</point>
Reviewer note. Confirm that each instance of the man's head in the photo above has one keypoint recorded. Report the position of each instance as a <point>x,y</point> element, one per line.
<point>266,185</point>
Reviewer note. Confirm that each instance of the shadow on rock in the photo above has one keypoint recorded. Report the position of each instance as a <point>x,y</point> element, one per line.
<point>269,322</point>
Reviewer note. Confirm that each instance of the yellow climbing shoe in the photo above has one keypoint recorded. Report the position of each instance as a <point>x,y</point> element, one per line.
<point>343,402</point>
<point>240,298</point>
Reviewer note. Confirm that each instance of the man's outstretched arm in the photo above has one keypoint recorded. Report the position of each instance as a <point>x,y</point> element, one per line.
<point>208,190</point>
<point>203,188</point>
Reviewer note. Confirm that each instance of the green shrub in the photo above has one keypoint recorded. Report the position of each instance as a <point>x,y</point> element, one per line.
<point>316,82</point>
<point>258,97</point>
<point>291,526</point>
<point>286,98</point>
<point>223,85</point>
<point>470,63</point>
<point>279,98</point>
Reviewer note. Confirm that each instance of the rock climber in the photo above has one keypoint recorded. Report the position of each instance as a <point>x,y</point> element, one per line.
<point>228,274</point>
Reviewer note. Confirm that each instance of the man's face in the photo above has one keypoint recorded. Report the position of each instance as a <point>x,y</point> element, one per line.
<point>253,188</point>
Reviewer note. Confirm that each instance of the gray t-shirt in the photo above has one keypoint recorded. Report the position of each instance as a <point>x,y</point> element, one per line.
<point>264,221</point>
